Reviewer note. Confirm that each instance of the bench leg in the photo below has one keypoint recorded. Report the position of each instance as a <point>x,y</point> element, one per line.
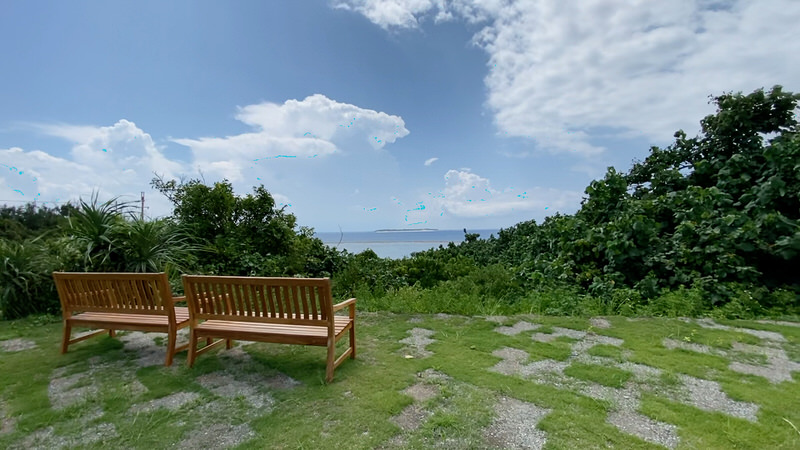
<point>112,333</point>
<point>65,340</point>
<point>172,337</point>
<point>353,340</point>
<point>192,348</point>
<point>228,344</point>
<point>331,358</point>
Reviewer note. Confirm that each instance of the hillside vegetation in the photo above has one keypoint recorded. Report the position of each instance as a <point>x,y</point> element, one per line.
<point>709,224</point>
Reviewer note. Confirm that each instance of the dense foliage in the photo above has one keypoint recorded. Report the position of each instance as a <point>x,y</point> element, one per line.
<point>709,224</point>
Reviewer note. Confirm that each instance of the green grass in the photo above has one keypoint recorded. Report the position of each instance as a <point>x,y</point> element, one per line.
<point>607,376</point>
<point>357,409</point>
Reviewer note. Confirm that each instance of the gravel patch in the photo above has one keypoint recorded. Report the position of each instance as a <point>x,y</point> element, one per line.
<point>280,381</point>
<point>143,344</point>
<point>433,375</point>
<point>415,319</point>
<point>518,328</point>
<point>779,367</point>
<point>558,332</point>
<point>599,322</point>
<point>17,345</point>
<point>591,339</point>
<point>513,360</point>
<point>419,339</point>
<point>62,393</point>
<point>495,319</point>
<point>515,425</point>
<point>672,344</point>
<point>45,438</point>
<point>411,417</point>
<point>7,423</point>
<point>421,392</point>
<point>171,402</point>
<point>225,385</point>
<point>766,335</point>
<point>708,396</point>
<point>779,322</point>
<point>645,428</point>
<point>217,436</point>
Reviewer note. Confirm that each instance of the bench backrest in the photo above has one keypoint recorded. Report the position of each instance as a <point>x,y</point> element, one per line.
<point>134,293</point>
<point>259,299</point>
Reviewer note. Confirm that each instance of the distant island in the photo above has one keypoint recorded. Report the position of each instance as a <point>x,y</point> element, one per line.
<point>404,230</point>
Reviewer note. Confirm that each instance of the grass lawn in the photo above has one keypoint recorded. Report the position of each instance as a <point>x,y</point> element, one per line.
<point>420,381</point>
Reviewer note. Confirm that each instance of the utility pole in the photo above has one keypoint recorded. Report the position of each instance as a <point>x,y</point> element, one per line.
<point>141,216</point>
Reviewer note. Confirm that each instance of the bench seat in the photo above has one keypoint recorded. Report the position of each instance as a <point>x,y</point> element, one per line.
<point>271,332</point>
<point>124,321</point>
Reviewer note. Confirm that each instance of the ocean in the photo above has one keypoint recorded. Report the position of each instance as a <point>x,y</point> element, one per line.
<point>395,244</point>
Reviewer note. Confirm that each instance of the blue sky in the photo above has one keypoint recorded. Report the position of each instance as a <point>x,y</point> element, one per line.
<point>367,114</point>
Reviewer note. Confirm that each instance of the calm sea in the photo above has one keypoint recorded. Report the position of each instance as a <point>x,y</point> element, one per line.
<point>396,244</point>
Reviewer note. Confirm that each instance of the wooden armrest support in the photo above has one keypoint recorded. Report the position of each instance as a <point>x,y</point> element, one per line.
<point>339,306</point>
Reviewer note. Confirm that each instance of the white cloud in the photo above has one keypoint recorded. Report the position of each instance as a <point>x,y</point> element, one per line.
<point>120,159</point>
<point>467,194</point>
<point>430,161</point>
<point>117,160</point>
<point>309,128</point>
<point>393,13</point>
<point>558,71</point>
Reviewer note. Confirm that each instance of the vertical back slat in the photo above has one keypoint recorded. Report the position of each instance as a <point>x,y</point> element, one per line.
<point>313,299</point>
<point>304,300</point>
<point>274,291</point>
<point>295,293</point>
<point>262,300</point>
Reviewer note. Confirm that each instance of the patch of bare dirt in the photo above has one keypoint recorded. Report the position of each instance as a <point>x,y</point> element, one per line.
<point>515,425</point>
<point>17,345</point>
<point>411,417</point>
<point>421,392</point>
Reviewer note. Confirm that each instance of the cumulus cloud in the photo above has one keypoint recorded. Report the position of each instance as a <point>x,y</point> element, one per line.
<point>430,161</point>
<point>117,160</point>
<point>558,71</point>
<point>121,159</point>
<point>309,128</point>
<point>467,194</point>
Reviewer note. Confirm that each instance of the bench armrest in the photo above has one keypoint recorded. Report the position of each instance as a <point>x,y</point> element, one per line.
<point>182,298</point>
<point>339,306</point>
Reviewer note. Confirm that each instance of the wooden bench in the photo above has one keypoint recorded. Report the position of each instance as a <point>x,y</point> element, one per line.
<point>277,310</point>
<point>120,301</point>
